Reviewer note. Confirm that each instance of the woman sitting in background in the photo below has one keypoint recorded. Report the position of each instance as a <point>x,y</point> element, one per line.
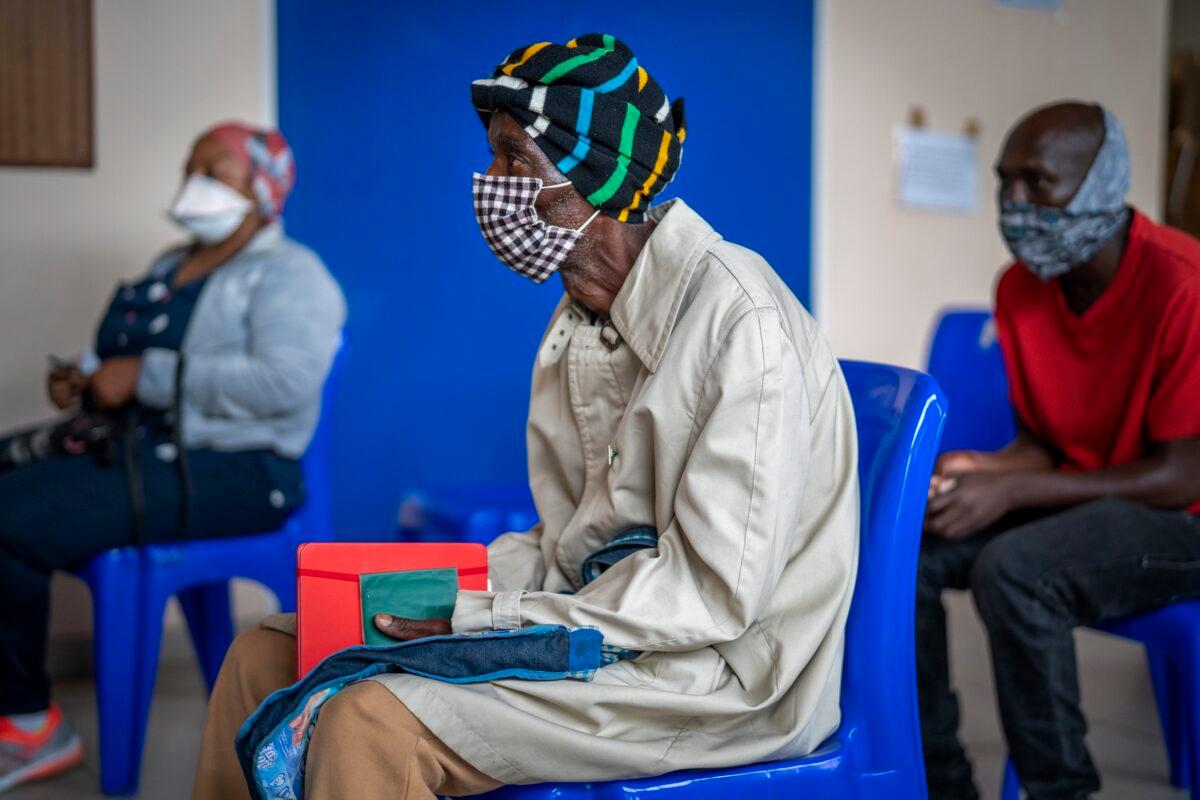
<point>190,416</point>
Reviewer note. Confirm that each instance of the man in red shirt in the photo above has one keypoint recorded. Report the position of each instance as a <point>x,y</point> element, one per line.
<point>1088,514</point>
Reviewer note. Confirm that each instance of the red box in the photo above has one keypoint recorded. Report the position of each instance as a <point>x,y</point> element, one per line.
<point>328,605</point>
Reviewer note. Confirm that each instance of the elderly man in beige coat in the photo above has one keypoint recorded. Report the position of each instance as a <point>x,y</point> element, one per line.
<point>680,385</point>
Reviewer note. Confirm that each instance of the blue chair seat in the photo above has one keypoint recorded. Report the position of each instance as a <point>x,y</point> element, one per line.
<point>822,774</point>
<point>876,751</point>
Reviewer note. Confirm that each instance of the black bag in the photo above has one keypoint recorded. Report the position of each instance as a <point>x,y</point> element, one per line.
<point>90,431</point>
<point>96,431</point>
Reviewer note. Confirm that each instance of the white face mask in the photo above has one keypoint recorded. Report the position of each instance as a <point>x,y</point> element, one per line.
<point>210,209</point>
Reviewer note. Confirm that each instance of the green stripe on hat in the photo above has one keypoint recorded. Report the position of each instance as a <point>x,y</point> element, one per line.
<point>613,183</point>
<point>562,69</point>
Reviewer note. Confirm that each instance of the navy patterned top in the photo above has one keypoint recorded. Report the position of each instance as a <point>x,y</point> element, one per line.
<point>151,313</point>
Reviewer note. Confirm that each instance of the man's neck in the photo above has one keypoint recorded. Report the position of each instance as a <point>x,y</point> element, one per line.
<point>1084,284</point>
<point>609,262</point>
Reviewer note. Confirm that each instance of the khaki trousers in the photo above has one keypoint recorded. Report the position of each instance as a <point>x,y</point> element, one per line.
<point>366,745</point>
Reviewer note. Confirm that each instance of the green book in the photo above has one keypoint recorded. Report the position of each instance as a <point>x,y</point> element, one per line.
<point>413,594</point>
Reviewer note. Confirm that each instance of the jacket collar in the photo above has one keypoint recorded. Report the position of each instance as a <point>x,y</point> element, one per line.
<point>646,307</point>
<point>270,235</point>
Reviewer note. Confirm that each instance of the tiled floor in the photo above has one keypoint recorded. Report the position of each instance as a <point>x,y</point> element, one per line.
<point>1125,738</point>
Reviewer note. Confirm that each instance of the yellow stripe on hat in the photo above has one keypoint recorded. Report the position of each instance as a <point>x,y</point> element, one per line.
<point>572,43</point>
<point>642,78</point>
<point>659,163</point>
<point>530,52</point>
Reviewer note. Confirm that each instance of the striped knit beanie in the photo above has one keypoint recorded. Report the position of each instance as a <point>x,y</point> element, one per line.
<point>596,113</point>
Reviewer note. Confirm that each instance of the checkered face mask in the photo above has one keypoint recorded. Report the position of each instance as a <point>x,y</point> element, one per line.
<point>524,242</point>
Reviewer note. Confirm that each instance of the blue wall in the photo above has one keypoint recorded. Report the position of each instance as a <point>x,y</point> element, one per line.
<point>374,98</point>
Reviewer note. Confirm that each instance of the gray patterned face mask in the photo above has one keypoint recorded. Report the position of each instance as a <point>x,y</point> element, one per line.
<point>1050,241</point>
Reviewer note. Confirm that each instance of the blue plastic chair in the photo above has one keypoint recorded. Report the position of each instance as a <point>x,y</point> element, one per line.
<point>475,512</point>
<point>965,354</point>
<point>966,361</point>
<point>876,752</point>
<point>131,586</point>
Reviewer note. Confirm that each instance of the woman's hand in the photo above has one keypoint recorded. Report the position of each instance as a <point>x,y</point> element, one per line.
<point>114,383</point>
<point>966,503</point>
<point>64,385</point>
<point>405,630</point>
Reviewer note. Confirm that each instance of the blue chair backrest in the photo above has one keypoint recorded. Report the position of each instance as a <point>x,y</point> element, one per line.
<point>899,415</point>
<point>314,519</point>
<point>966,361</point>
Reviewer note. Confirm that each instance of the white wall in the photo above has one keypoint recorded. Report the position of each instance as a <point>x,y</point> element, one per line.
<point>164,70</point>
<point>883,271</point>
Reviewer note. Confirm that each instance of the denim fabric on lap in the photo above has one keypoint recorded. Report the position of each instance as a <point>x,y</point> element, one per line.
<point>272,743</point>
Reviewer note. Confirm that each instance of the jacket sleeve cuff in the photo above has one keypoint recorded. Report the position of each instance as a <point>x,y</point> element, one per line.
<point>506,610</point>
<point>486,611</point>
<point>156,382</point>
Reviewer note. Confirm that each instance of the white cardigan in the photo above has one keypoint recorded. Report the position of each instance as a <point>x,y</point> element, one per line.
<point>257,349</point>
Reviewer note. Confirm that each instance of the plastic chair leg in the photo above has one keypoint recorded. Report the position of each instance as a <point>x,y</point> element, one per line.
<point>142,674</point>
<point>1165,677</point>
<point>1185,685</point>
<point>210,620</point>
<point>115,581</point>
<point>1010,789</point>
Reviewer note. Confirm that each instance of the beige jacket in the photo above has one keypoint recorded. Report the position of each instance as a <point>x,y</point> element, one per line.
<point>721,418</point>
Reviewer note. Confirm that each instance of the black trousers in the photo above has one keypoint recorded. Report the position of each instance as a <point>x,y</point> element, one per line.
<point>58,513</point>
<point>1033,581</point>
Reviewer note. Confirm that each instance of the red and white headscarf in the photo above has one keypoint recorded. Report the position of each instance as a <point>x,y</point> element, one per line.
<point>269,157</point>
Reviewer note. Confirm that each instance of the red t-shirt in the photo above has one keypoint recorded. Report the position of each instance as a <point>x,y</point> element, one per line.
<point>1101,386</point>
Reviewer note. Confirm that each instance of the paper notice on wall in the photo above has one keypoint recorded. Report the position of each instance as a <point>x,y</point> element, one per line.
<point>937,171</point>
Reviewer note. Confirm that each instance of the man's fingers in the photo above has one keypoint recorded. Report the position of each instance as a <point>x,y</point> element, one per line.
<point>933,524</point>
<point>940,502</point>
<point>939,485</point>
<point>938,520</point>
<point>396,627</point>
<point>958,524</point>
<point>405,629</point>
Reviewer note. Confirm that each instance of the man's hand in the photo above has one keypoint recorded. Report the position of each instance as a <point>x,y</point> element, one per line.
<point>113,385</point>
<point>954,462</point>
<point>406,630</point>
<point>64,385</point>
<point>966,503</point>
<point>958,461</point>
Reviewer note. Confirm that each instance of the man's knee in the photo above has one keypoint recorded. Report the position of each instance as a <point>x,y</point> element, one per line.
<point>362,709</point>
<point>1004,580</point>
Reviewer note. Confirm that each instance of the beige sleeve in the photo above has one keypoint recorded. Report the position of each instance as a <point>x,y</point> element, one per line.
<point>719,560</point>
